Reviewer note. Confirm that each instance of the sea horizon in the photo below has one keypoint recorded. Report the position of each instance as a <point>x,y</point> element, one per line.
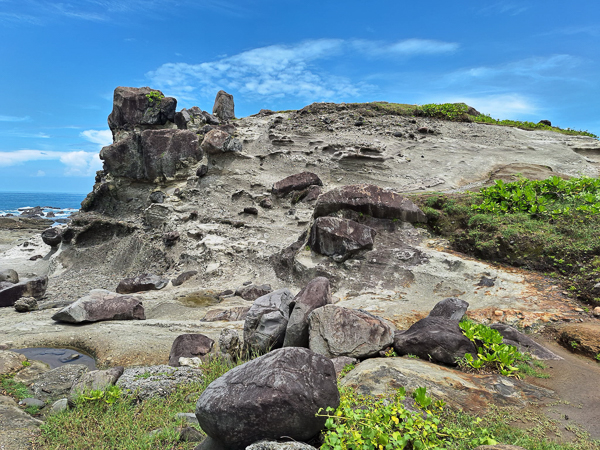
<point>12,201</point>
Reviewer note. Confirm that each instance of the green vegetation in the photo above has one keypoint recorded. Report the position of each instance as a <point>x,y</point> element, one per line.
<point>366,422</point>
<point>551,226</point>
<point>492,354</point>
<point>448,111</point>
<point>26,363</point>
<point>154,96</point>
<point>484,118</point>
<point>12,388</point>
<point>108,419</point>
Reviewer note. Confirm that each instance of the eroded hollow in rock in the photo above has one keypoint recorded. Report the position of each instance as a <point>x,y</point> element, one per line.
<point>56,357</point>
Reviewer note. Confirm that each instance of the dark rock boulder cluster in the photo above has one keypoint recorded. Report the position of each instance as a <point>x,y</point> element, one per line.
<point>12,288</point>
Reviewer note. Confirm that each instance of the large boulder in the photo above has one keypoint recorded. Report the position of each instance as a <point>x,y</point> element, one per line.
<point>34,287</point>
<point>141,283</point>
<point>338,331</point>
<point>224,107</point>
<point>524,343</point>
<point>140,106</point>
<point>51,237</point>
<point>340,238</point>
<point>99,305</point>
<point>253,291</point>
<point>194,119</point>
<point>267,320</point>
<point>436,339</point>
<point>189,346</point>
<point>218,141</point>
<point>296,182</point>
<point>371,200</point>
<point>276,395</point>
<point>315,294</point>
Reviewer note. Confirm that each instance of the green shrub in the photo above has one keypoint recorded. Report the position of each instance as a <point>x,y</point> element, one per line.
<point>365,422</point>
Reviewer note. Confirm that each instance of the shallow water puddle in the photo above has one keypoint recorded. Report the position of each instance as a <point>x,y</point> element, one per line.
<point>56,357</point>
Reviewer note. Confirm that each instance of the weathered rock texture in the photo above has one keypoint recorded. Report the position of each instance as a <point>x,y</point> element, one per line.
<point>340,238</point>
<point>35,287</point>
<point>371,200</point>
<point>100,305</point>
<point>296,182</point>
<point>337,331</point>
<point>270,397</point>
<point>140,106</point>
<point>267,320</point>
<point>224,107</point>
<point>524,343</point>
<point>141,283</point>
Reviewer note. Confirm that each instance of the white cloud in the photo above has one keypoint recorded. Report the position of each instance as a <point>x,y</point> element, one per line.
<point>102,137</point>
<point>512,9</point>
<point>285,70</point>
<point>40,173</point>
<point>501,106</point>
<point>14,119</point>
<point>77,163</point>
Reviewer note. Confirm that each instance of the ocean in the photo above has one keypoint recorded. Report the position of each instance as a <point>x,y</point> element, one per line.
<point>61,204</point>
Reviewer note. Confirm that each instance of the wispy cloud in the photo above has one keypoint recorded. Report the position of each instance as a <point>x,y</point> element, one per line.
<point>102,137</point>
<point>280,71</point>
<point>501,106</point>
<point>24,134</point>
<point>14,119</point>
<point>512,9</point>
<point>77,163</point>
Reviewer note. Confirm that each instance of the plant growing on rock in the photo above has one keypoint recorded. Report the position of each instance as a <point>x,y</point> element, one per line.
<point>154,96</point>
<point>492,354</point>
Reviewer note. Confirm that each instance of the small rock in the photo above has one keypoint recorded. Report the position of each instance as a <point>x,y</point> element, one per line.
<point>170,238</point>
<point>100,305</point>
<point>157,197</point>
<point>182,278</point>
<point>11,276</point>
<point>188,417</point>
<point>266,321</point>
<point>35,257</point>
<point>11,362</point>
<point>59,406</point>
<point>545,122</point>
<point>487,282</point>
<point>266,203</point>
<point>423,130</point>
<point>596,311</point>
<point>145,282</point>
<point>202,171</point>
<point>189,346</point>
<point>296,182</point>
<point>229,342</point>
<point>32,402</point>
<point>26,304</point>
<point>189,434</point>
<point>251,210</point>
<point>498,313</point>
<point>251,292</point>
<point>341,362</point>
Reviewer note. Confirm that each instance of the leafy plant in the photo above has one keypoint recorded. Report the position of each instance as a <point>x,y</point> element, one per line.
<point>492,354</point>
<point>380,423</point>
<point>26,363</point>
<point>154,96</point>
<point>109,395</point>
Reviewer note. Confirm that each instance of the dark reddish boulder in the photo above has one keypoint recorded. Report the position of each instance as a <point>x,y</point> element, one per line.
<point>296,182</point>
<point>278,394</point>
<point>140,106</point>
<point>315,294</point>
<point>224,106</point>
<point>100,305</point>
<point>163,150</point>
<point>340,238</point>
<point>253,291</point>
<point>189,346</point>
<point>218,141</point>
<point>371,200</point>
<point>34,287</point>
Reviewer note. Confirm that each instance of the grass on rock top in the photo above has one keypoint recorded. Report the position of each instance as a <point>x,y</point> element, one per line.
<point>553,232</point>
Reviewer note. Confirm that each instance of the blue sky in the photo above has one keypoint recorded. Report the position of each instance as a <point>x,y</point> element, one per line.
<point>61,60</point>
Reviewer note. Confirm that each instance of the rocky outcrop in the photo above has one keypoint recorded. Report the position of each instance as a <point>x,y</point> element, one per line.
<point>57,383</point>
<point>194,119</point>
<point>296,182</point>
<point>272,396</point>
<point>337,331</point>
<point>582,338</point>
<point>474,393</point>
<point>371,200</point>
<point>189,346</point>
<point>10,293</point>
<point>267,320</point>
<point>315,294</point>
<point>140,106</point>
<point>340,238</point>
<point>101,305</point>
<point>156,381</point>
<point>435,339</point>
<point>141,283</point>
<point>224,106</point>
<point>151,154</point>
<point>96,379</point>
